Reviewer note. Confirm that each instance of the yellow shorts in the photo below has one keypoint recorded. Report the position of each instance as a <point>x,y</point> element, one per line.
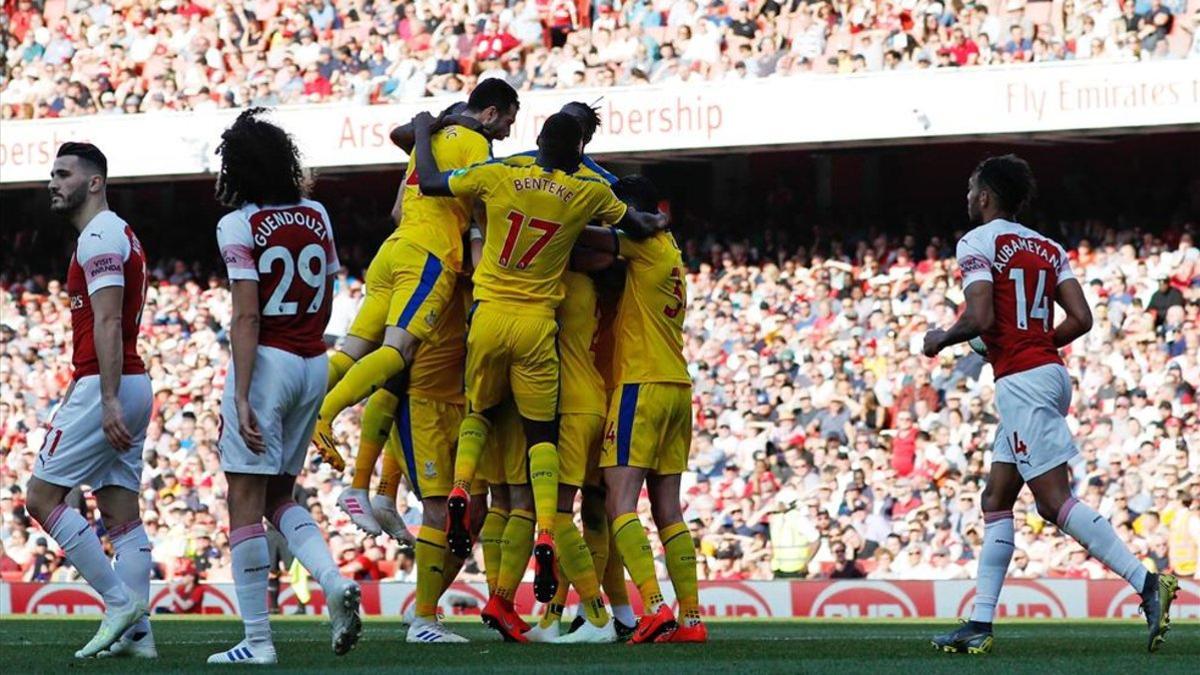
<point>504,460</point>
<point>425,435</point>
<point>512,353</point>
<point>579,440</point>
<point>408,287</point>
<point>649,426</point>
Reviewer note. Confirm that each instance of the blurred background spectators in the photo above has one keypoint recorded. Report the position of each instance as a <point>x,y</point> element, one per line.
<point>824,445</point>
<point>80,57</point>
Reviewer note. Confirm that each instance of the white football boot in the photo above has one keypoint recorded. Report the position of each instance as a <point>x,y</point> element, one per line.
<point>357,504</point>
<point>425,630</point>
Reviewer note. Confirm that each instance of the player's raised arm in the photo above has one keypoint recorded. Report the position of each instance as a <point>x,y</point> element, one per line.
<point>433,183</point>
<point>1069,296</point>
<point>110,352</point>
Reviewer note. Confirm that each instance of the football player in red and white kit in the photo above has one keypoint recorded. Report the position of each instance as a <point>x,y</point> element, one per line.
<point>278,248</point>
<point>1012,278</point>
<point>96,435</point>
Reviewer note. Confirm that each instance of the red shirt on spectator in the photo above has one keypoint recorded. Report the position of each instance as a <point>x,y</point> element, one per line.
<point>491,46</point>
<point>962,51</point>
<point>317,85</point>
<point>904,451</point>
<point>19,20</point>
<point>189,9</point>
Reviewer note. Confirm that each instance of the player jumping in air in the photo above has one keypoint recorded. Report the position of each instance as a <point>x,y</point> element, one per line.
<point>1012,278</point>
<point>96,436</point>
<point>409,283</point>
<point>535,214</point>
<point>278,247</point>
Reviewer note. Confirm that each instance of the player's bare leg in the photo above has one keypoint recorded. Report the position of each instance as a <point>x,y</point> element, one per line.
<point>368,374</point>
<point>1052,491</point>
<point>975,636</point>
<point>624,484</point>
<point>680,554</point>
<point>132,562</point>
<point>46,503</point>
<point>247,501</point>
<point>307,544</point>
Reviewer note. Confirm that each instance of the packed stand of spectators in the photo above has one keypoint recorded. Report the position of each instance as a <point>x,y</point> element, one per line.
<point>65,58</point>
<point>824,444</point>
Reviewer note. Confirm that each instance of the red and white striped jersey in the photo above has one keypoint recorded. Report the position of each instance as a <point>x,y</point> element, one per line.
<point>1025,269</point>
<point>289,250</point>
<point>107,254</point>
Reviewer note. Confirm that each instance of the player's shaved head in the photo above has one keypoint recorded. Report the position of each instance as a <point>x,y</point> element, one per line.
<point>638,192</point>
<point>561,141</point>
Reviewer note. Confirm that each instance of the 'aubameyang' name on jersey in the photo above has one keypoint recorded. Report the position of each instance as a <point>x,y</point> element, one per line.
<point>546,185</point>
<point>1035,246</point>
<point>279,219</point>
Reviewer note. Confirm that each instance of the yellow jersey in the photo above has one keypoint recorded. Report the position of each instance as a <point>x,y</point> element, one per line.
<point>437,371</point>
<point>534,217</point>
<point>437,224</point>
<point>649,336</point>
<point>588,168</point>
<point>581,389</point>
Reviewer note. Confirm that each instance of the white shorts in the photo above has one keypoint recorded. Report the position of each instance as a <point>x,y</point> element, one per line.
<point>76,452</point>
<point>286,395</point>
<point>1033,432</point>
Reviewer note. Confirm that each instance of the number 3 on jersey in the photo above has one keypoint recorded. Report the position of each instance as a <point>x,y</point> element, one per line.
<point>517,221</point>
<point>314,278</point>
<point>1041,304</point>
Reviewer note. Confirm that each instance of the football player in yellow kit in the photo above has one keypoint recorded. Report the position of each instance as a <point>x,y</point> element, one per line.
<point>535,214</point>
<point>649,427</point>
<point>409,283</point>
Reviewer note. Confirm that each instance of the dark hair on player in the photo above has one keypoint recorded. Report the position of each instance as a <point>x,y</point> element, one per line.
<point>559,140</point>
<point>259,163</point>
<point>86,152</point>
<point>587,115</point>
<point>493,92</point>
<point>1010,179</point>
<point>638,192</point>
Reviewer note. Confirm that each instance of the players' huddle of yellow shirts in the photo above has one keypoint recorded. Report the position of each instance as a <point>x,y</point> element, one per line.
<point>538,424</point>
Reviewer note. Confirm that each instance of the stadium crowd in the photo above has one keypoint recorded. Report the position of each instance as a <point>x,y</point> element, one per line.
<point>824,445</point>
<point>77,57</point>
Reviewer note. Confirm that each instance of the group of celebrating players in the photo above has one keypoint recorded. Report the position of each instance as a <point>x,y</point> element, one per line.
<point>508,367</point>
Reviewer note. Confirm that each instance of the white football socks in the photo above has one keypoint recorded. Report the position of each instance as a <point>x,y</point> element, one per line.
<point>82,548</point>
<point>1097,535</point>
<point>996,554</point>
<point>306,543</point>
<point>132,563</point>
<point>251,564</point>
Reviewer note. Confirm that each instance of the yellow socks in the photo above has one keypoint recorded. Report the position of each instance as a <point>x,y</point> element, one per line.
<point>543,479</point>
<point>472,434</point>
<point>451,566</point>
<point>370,373</point>
<point>554,609</point>
<point>614,578</point>
<point>376,425</point>
<point>515,550</point>
<point>576,563</point>
<point>431,555</point>
<point>680,556</point>
<point>389,476</point>
<point>491,538</point>
<point>339,363</point>
<point>595,527</point>
<point>634,547</point>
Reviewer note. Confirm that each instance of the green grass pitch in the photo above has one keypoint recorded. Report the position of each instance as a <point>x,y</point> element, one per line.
<point>29,645</point>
